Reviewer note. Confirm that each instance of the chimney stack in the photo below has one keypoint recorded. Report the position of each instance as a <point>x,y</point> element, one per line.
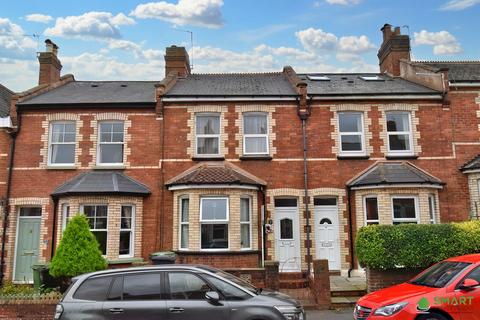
<point>394,48</point>
<point>50,66</point>
<point>177,60</point>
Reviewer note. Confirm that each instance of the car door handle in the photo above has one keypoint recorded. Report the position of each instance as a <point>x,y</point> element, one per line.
<point>116,310</point>
<point>176,310</point>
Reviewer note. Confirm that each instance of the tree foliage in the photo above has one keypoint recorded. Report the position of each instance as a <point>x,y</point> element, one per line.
<point>78,251</point>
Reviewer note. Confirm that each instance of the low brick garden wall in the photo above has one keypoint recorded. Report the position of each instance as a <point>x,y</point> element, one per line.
<point>380,279</point>
<point>27,309</point>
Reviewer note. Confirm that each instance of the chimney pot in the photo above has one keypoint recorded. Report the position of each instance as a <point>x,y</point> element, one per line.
<point>177,60</point>
<point>50,66</point>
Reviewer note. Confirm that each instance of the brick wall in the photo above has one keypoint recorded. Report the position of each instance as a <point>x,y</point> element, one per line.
<point>221,259</point>
<point>27,310</point>
<point>379,279</point>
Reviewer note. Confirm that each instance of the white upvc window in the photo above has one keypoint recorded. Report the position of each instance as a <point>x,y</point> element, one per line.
<point>61,150</point>
<point>399,133</point>
<point>405,209</point>
<point>127,230</point>
<point>245,223</point>
<point>351,133</point>
<point>255,133</point>
<point>65,215</point>
<point>97,216</point>
<point>184,231</point>
<point>110,143</point>
<point>214,219</point>
<point>370,205</point>
<point>432,208</point>
<point>207,134</point>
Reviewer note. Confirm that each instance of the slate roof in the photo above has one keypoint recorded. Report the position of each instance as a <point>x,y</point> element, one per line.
<point>215,173</point>
<point>473,164</point>
<point>352,84</point>
<point>5,96</point>
<point>101,183</point>
<point>391,173</point>
<point>458,71</point>
<point>97,92</point>
<point>233,84</point>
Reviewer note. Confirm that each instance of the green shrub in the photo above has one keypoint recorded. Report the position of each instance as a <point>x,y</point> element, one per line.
<point>415,245</point>
<point>78,251</point>
<point>10,291</point>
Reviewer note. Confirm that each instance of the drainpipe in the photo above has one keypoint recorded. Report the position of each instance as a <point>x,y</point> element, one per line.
<point>55,213</point>
<point>350,232</point>
<point>13,135</point>
<point>264,234</point>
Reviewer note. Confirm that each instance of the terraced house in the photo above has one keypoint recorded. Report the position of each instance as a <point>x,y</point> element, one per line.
<point>236,169</point>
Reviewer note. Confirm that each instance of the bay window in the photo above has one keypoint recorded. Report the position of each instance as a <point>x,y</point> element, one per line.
<point>97,216</point>
<point>214,218</point>
<point>405,209</point>
<point>110,142</point>
<point>62,143</point>
<point>245,223</point>
<point>432,208</point>
<point>351,133</point>
<point>255,133</point>
<point>399,133</point>
<point>184,222</point>
<point>207,129</point>
<point>371,210</point>
<point>126,231</point>
<point>65,215</point>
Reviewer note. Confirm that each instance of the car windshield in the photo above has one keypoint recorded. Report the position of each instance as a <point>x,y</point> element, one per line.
<point>440,274</point>
<point>242,283</point>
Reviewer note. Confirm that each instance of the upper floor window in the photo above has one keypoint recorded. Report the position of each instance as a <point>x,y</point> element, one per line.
<point>399,133</point>
<point>351,133</point>
<point>371,210</point>
<point>111,142</point>
<point>255,133</point>
<point>207,134</point>
<point>62,143</point>
<point>405,209</point>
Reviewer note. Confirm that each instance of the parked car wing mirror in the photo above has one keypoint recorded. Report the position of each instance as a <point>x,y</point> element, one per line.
<point>212,297</point>
<point>469,284</point>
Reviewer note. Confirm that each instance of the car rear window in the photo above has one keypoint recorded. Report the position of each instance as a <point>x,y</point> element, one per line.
<point>93,289</point>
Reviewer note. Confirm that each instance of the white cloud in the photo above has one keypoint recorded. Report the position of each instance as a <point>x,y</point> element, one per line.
<point>38,17</point>
<point>457,5</point>
<point>343,2</point>
<point>316,39</point>
<point>91,25</point>
<point>355,44</point>
<point>204,13</point>
<point>443,42</point>
<point>13,41</point>
<point>18,75</point>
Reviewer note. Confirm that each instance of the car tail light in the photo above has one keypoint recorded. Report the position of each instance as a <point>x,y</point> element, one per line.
<point>58,312</point>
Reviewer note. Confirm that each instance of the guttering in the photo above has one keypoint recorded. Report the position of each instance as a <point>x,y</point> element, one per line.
<point>212,186</point>
<point>227,98</point>
<point>13,135</point>
<point>398,185</point>
<point>376,97</point>
<point>27,106</point>
<point>464,84</point>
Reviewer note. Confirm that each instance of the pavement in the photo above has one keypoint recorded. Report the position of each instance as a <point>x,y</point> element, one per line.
<point>343,314</point>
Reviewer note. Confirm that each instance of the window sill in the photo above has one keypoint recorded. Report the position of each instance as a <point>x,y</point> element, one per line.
<point>401,157</point>
<point>222,252</point>
<point>352,157</point>
<point>256,157</point>
<point>211,158</point>
<point>125,261</point>
<point>62,167</point>
<point>110,167</point>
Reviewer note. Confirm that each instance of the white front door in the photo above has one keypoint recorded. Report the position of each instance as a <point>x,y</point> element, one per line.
<point>287,239</point>
<point>327,237</point>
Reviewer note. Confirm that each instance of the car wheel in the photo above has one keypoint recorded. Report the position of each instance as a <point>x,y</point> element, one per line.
<point>432,316</point>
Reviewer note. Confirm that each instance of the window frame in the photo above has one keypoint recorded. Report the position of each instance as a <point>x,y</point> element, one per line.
<point>216,135</point>
<point>365,214</point>
<point>360,133</point>
<point>183,223</point>
<point>432,208</point>
<point>100,143</point>
<point>132,231</point>
<point>227,222</point>
<point>51,143</point>
<point>249,223</point>
<point>406,220</point>
<point>408,152</point>
<point>255,135</point>
<point>82,211</point>
<point>65,215</point>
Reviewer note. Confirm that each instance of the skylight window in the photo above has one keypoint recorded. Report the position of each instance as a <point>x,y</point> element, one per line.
<point>372,78</point>
<point>318,78</point>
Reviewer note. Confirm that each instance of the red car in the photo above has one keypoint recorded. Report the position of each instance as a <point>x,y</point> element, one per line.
<point>448,290</point>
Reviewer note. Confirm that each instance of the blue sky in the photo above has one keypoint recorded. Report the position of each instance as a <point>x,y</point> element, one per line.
<point>120,40</point>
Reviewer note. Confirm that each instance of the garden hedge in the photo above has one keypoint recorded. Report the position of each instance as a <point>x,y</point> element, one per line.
<point>415,245</point>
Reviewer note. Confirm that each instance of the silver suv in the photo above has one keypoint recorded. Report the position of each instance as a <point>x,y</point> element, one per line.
<point>176,292</point>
